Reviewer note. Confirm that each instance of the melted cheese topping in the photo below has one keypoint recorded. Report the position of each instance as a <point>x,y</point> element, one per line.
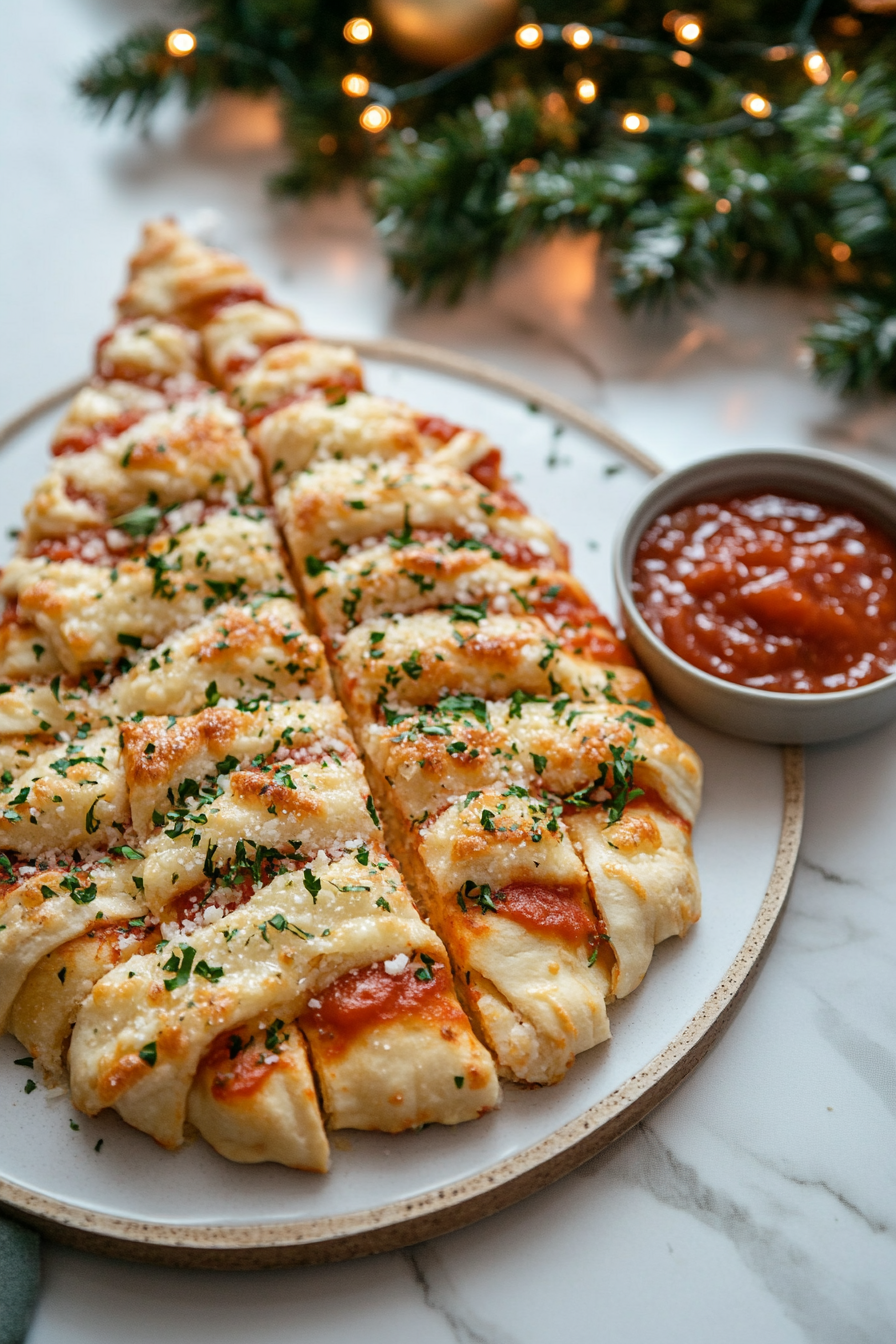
<point>53,905</point>
<point>421,658</point>
<point>274,953</point>
<point>103,408</point>
<point>148,351</point>
<point>83,610</point>
<point>239,334</point>
<point>290,370</point>
<point>172,273</point>
<point>381,578</point>
<point>69,796</point>
<point>561,746</point>
<point>361,426</point>
<point>190,450</point>
<point>159,756</point>
<point>246,654</point>
<point>300,811</point>
<point>351,501</point>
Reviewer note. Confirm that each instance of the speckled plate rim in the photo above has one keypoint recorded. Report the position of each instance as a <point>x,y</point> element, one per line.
<point>451,1206</point>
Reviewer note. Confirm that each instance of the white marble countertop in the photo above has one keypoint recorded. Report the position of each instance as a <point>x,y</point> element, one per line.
<point>758,1202</point>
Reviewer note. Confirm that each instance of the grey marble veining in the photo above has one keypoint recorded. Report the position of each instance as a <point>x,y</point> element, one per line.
<point>759,1202</point>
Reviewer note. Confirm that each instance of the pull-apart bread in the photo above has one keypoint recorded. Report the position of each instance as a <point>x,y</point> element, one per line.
<point>539,805</point>
<point>205,799</point>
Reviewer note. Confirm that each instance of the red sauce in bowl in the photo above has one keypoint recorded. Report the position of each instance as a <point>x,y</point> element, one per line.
<point>771,592</point>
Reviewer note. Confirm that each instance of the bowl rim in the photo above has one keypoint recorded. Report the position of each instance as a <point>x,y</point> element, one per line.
<point>656,490</point>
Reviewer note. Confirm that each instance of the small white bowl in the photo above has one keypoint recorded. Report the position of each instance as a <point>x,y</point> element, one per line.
<point>764,716</point>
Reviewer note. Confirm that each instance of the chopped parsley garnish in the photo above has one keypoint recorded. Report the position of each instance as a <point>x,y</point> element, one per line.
<point>213,973</point>
<point>140,522</point>
<point>424,972</point>
<point>406,535</point>
<point>92,822</point>
<point>477,895</point>
<point>466,704</point>
<point>181,965</point>
<point>126,852</point>
<point>314,567</point>
<point>464,612</point>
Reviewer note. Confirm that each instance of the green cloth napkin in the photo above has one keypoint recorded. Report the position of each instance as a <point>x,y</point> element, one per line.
<point>19,1280</point>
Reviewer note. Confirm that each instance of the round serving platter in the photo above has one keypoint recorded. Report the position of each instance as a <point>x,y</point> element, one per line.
<point>128,1197</point>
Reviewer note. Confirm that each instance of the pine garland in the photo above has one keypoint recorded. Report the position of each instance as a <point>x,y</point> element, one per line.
<point>488,155</point>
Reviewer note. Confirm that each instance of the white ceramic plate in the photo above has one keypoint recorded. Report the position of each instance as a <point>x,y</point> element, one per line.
<point>133,1198</point>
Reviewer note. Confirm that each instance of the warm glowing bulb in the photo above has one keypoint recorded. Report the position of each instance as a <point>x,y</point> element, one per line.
<point>687,28</point>
<point>358,30</point>
<point>756,105</point>
<point>723,205</point>
<point>634,122</point>
<point>530,35</point>
<point>586,90</point>
<point>577,36</point>
<point>355,85</point>
<point>816,67</point>
<point>180,42</point>
<point>682,58</point>
<point>778,53</point>
<point>841,251</point>
<point>375,117</point>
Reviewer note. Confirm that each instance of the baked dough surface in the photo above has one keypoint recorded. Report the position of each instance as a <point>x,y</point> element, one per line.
<point>201,918</point>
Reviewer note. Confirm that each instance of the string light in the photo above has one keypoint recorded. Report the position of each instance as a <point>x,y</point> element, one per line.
<point>375,117</point>
<point>723,205</point>
<point>328,144</point>
<point>530,36</point>
<point>355,85</point>
<point>841,251</point>
<point>687,28</point>
<point>358,31</point>
<point>816,67</point>
<point>180,42</point>
<point>756,105</point>
<point>577,36</point>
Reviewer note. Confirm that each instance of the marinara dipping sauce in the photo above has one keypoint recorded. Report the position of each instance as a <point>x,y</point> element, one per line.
<point>771,592</point>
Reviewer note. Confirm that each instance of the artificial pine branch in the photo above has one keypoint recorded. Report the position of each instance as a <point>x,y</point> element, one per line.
<point>490,156</point>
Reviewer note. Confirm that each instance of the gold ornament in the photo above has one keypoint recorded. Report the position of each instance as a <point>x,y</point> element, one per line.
<point>442,32</point>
